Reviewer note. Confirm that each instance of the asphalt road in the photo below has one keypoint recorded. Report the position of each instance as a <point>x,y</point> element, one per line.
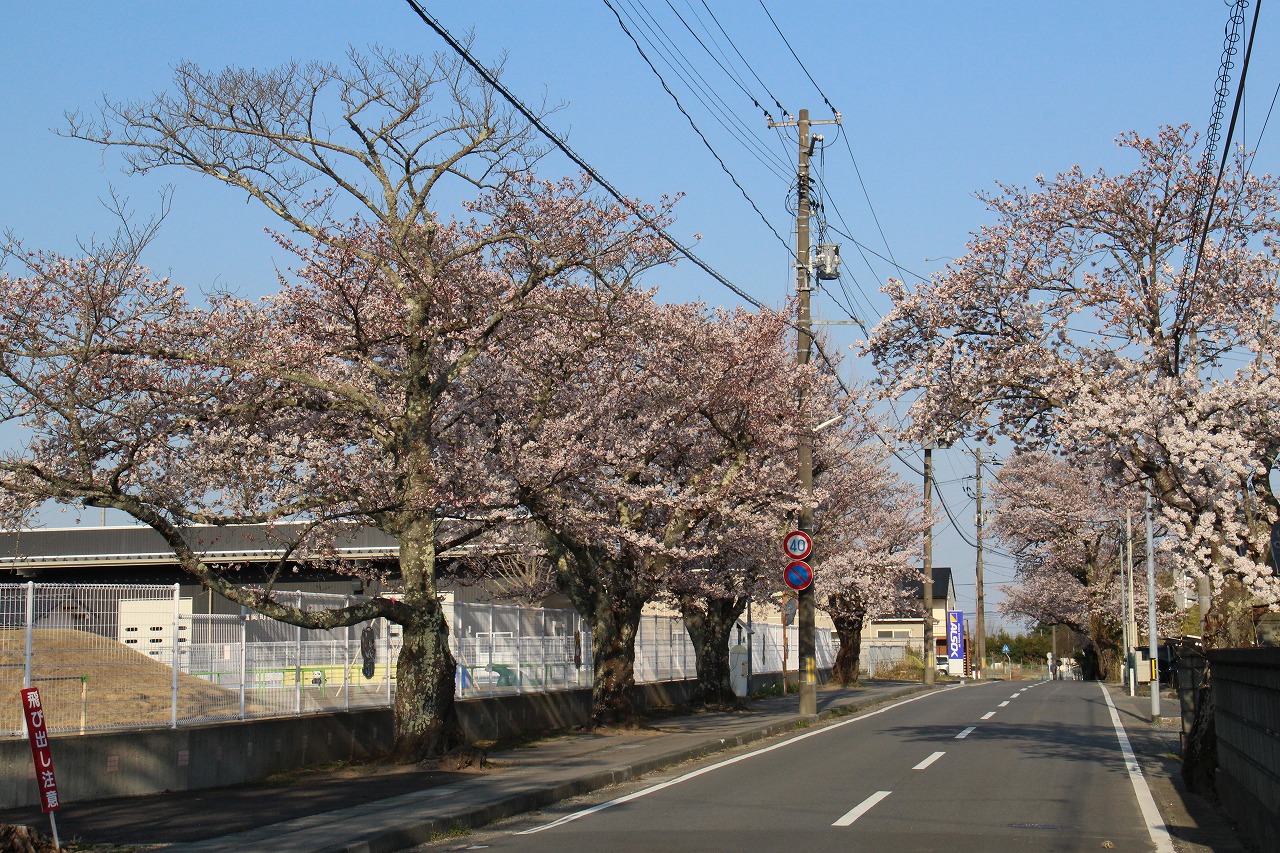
<point>993,767</point>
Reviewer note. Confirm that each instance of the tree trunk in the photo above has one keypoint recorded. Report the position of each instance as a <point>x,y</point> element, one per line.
<point>610,594</point>
<point>613,649</point>
<point>1230,623</point>
<point>1200,751</point>
<point>426,718</point>
<point>849,629</point>
<point>426,721</point>
<point>710,621</point>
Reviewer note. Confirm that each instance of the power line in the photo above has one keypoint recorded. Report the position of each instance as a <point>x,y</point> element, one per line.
<point>694,125</point>
<point>780,107</point>
<point>798,59</point>
<point>648,221</point>
<point>529,116</point>
<point>717,61</point>
<point>1226,149</point>
<point>674,57</point>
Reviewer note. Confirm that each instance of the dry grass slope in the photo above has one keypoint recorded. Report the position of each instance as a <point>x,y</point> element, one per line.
<point>123,686</point>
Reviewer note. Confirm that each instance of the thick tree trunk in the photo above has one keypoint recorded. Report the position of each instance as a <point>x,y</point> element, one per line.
<point>710,622</point>
<point>426,718</point>
<point>613,649</point>
<point>849,629</point>
<point>610,594</point>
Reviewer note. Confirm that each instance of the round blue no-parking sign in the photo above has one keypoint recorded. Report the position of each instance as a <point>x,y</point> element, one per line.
<point>798,575</point>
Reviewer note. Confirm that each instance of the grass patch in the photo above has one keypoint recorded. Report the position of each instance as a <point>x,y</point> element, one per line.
<point>85,676</point>
<point>457,829</point>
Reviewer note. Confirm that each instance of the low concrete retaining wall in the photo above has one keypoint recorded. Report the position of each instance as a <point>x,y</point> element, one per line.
<point>1246,698</point>
<point>116,764</point>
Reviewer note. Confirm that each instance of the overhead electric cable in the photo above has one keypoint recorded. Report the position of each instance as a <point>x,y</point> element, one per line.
<point>899,267</point>
<point>695,127</point>
<point>1263,131</point>
<point>673,56</point>
<point>845,136</point>
<point>717,61</point>
<point>780,107</point>
<point>1212,136</point>
<point>492,81</point>
<point>797,58</point>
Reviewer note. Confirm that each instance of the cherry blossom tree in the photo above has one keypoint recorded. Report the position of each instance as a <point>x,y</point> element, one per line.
<point>336,400</point>
<point>1063,520</point>
<point>751,408</point>
<point>867,536</point>
<point>655,450</point>
<point>1085,318</point>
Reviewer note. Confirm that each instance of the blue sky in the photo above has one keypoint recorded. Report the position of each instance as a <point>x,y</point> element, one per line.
<point>939,99</point>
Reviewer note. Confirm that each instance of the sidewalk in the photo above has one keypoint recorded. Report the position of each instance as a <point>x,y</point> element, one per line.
<point>378,808</point>
<point>1194,824</point>
<point>374,808</point>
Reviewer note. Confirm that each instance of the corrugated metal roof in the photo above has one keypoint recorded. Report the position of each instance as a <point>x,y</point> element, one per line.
<point>142,545</point>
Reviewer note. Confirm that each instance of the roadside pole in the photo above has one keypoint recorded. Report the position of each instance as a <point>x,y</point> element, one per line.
<point>930,648</point>
<point>806,614</point>
<point>1152,641</point>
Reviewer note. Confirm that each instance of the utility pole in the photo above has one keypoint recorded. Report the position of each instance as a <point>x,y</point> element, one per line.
<point>981,627</point>
<point>1127,600</point>
<point>805,614</point>
<point>1152,641</point>
<point>930,648</point>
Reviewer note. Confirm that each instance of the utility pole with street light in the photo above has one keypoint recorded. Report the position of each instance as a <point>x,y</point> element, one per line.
<point>806,615</point>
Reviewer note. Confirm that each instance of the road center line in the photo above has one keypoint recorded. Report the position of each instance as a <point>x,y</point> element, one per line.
<point>1016,695</point>
<point>1002,704</point>
<point>932,758</point>
<point>862,808</point>
<point>988,715</point>
<point>964,734</point>
<point>635,795</point>
<point>1155,824</point>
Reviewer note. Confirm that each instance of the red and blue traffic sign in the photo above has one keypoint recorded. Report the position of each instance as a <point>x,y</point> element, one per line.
<point>797,545</point>
<point>798,575</point>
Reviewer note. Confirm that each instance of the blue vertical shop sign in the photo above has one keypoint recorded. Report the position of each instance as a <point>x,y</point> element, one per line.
<point>955,635</point>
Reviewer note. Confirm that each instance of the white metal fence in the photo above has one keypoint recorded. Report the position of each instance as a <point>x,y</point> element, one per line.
<point>104,655</point>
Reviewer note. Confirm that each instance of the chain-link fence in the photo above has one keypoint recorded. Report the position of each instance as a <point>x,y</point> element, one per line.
<point>112,656</point>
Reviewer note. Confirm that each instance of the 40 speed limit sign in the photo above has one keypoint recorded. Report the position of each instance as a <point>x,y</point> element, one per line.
<point>797,545</point>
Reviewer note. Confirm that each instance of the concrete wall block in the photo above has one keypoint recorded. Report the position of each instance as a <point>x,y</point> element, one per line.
<point>1246,692</point>
<point>117,764</point>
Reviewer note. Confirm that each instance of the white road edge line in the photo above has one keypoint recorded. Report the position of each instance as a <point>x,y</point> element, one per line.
<point>1155,823</point>
<point>964,734</point>
<point>862,808</point>
<point>635,795</point>
<point>932,758</point>
<point>988,715</point>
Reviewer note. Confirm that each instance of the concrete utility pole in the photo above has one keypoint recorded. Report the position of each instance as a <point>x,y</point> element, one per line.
<point>805,615</point>
<point>1152,641</point>
<point>980,616</point>
<point>1125,571</point>
<point>930,648</point>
